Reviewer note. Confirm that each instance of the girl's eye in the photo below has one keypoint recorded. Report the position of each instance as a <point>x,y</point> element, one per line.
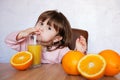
<point>49,28</point>
<point>41,23</point>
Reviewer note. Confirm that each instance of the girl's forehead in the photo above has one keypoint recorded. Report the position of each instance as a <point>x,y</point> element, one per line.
<point>47,21</point>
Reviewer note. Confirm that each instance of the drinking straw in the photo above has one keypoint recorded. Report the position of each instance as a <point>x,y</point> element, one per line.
<point>34,39</point>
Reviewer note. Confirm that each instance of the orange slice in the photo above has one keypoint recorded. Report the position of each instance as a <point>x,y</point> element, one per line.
<point>21,60</point>
<point>92,66</point>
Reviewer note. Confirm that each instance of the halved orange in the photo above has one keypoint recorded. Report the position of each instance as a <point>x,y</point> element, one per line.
<point>92,66</point>
<point>21,60</point>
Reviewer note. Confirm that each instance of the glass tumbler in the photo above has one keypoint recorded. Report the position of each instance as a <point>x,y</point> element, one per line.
<point>35,49</point>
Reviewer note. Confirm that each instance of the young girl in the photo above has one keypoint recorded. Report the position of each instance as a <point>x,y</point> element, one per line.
<point>53,33</point>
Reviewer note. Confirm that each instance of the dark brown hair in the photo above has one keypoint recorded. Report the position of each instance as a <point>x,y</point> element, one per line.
<point>60,23</point>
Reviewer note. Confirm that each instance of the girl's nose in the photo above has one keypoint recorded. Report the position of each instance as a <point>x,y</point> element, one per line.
<point>38,31</point>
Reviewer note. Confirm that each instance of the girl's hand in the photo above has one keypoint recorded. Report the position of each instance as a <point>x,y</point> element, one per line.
<point>27,32</point>
<point>81,44</point>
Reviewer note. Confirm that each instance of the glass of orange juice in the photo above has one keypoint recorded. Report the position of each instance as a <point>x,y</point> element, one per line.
<point>35,49</point>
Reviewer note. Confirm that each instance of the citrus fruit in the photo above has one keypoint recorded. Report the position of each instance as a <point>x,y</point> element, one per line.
<point>21,60</point>
<point>70,61</point>
<point>113,62</point>
<point>92,66</point>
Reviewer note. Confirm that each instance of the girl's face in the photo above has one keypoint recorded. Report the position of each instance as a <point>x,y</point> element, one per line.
<point>46,33</point>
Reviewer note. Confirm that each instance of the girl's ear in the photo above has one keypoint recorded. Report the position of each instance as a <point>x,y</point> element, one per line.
<point>57,38</point>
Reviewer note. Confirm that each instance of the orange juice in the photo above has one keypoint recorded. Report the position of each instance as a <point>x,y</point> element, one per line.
<point>36,51</point>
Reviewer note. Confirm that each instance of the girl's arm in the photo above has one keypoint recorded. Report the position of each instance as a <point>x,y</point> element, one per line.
<point>12,42</point>
<point>18,40</point>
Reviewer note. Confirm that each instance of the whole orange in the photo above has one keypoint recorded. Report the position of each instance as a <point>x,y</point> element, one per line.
<point>21,60</point>
<point>70,61</point>
<point>113,62</point>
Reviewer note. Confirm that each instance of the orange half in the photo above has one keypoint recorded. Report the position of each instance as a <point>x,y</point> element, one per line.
<point>21,60</point>
<point>92,66</point>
